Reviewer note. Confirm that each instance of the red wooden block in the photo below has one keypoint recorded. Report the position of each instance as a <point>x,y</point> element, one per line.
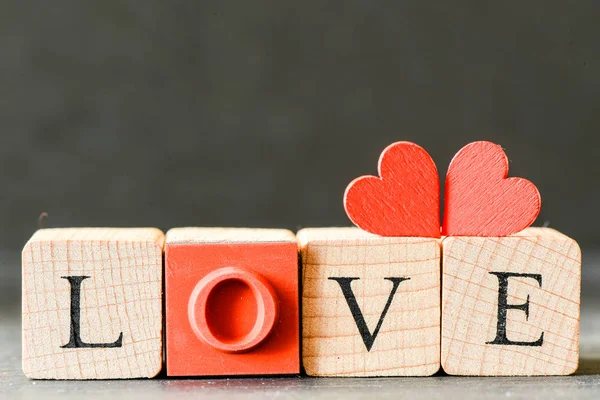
<point>231,302</point>
<point>479,198</point>
<point>403,201</point>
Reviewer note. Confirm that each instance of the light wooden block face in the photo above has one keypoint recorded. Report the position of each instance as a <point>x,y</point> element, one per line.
<point>370,304</point>
<point>510,306</point>
<point>92,303</point>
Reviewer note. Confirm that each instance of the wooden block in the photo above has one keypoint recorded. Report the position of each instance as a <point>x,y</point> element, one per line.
<point>92,303</point>
<point>480,200</point>
<point>403,200</point>
<point>370,304</point>
<point>231,302</point>
<point>510,306</point>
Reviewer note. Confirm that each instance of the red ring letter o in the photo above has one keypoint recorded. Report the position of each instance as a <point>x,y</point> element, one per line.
<point>267,306</point>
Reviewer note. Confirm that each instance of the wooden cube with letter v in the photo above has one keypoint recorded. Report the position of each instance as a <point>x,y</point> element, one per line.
<point>231,302</point>
<point>371,296</point>
<point>370,304</point>
<point>92,303</point>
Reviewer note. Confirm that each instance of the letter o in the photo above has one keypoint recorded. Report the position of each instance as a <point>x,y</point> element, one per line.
<point>267,309</point>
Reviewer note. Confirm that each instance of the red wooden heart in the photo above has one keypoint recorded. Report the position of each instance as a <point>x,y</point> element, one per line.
<point>479,198</point>
<point>404,200</point>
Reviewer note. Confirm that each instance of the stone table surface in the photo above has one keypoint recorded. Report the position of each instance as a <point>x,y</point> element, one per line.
<point>585,384</point>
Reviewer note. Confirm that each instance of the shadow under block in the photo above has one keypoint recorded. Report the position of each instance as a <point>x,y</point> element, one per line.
<point>370,304</point>
<point>231,302</point>
<point>510,305</point>
<point>92,303</point>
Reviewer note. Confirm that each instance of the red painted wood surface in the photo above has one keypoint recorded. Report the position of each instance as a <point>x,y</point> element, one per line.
<point>232,309</point>
<point>479,198</point>
<point>403,201</point>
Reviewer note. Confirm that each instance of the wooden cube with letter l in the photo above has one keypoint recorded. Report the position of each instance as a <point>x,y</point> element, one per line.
<point>370,304</point>
<point>92,303</point>
<point>510,305</point>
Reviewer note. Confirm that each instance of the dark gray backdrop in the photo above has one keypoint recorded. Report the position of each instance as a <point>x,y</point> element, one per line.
<point>259,113</point>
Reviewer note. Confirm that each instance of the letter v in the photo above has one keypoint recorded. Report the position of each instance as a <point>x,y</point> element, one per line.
<point>367,337</point>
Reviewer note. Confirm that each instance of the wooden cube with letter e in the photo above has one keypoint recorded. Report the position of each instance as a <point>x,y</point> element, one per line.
<point>370,304</point>
<point>510,305</point>
<point>92,303</point>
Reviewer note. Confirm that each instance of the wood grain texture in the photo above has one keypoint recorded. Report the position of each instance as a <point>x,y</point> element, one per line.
<point>403,200</point>
<point>479,198</point>
<point>122,294</point>
<point>408,341</point>
<point>470,304</point>
<point>202,235</point>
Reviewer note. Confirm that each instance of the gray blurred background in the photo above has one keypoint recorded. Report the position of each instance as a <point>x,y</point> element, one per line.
<point>259,113</point>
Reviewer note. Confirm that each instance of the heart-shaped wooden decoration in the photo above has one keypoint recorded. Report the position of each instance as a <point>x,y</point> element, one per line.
<point>403,201</point>
<point>479,198</point>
